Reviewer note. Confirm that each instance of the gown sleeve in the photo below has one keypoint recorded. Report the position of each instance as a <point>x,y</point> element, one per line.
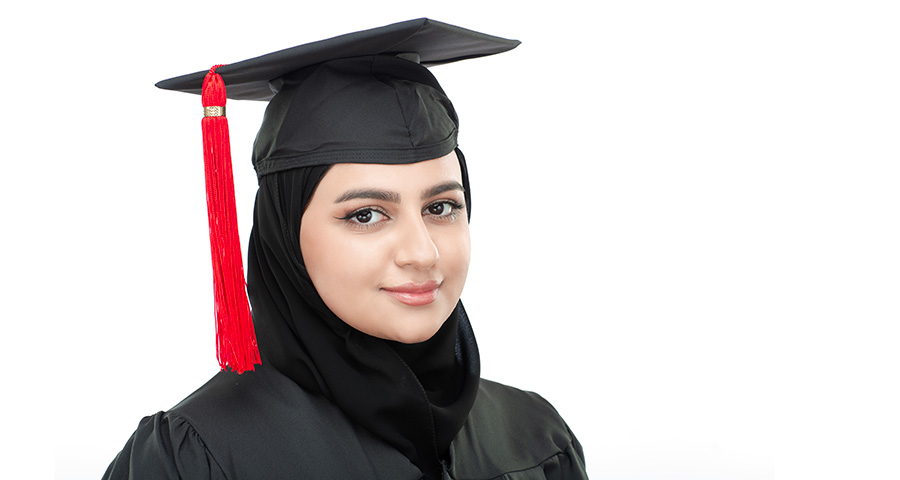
<point>164,446</point>
<point>565,465</point>
<point>572,466</point>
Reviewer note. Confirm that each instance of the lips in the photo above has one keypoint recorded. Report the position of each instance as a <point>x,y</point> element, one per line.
<point>415,294</point>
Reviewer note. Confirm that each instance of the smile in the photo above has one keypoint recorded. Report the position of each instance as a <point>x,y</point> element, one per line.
<point>414,294</point>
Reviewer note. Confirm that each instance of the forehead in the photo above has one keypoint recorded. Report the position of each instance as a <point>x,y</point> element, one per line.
<point>405,177</point>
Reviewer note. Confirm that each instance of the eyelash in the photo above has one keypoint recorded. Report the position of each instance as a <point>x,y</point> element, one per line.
<point>350,218</point>
<point>456,209</point>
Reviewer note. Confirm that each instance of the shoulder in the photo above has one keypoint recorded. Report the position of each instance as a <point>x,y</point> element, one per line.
<point>526,416</point>
<point>229,398</point>
<point>515,403</point>
<point>188,440</point>
<point>263,425</point>
<point>511,430</point>
<point>164,446</point>
<point>260,404</point>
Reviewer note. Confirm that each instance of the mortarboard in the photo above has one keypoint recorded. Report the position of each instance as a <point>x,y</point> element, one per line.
<point>363,97</point>
<point>434,42</point>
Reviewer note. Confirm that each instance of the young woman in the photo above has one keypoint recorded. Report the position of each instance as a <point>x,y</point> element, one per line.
<point>358,256</point>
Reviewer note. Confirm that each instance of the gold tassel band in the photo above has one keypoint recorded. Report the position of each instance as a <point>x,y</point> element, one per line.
<point>214,111</point>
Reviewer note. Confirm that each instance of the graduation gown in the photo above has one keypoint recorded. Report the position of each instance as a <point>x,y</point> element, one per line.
<point>263,425</point>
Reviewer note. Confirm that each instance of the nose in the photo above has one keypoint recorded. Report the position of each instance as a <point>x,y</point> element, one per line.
<point>415,248</point>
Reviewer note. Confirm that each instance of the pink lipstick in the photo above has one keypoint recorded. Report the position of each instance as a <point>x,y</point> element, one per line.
<point>414,294</point>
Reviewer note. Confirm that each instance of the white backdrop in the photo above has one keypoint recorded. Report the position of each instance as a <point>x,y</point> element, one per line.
<point>685,222</point>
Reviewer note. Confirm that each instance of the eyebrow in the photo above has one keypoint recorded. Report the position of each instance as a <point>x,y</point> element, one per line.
<point>441,188</point>
<point>394,197</point>
<point>372,193</point>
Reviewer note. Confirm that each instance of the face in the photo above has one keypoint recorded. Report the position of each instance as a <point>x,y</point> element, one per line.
<point>387,246</point>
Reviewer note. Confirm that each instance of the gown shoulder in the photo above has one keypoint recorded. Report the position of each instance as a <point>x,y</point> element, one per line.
<point>256,425</point>
<point>515,434</point>
<point>164,446</point>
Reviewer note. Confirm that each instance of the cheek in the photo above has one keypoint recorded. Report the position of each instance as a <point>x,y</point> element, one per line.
<point>345,269</point>
<point>455,251</point>
<point>325,260</point>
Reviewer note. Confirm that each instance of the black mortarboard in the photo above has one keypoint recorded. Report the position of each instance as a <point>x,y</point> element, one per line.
<point>354,98</point>
<point>364,97</point>
<point>434,42</point>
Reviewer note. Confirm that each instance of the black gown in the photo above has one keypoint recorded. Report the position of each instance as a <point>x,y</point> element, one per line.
<point>262,425</point>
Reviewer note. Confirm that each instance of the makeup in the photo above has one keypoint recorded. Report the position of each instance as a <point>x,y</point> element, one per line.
<point>414,294</point>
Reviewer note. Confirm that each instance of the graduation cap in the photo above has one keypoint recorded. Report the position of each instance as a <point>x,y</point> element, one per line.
<point>363,97</point>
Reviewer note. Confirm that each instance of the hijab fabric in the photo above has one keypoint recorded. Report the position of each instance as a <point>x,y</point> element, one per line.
<point>414,397</point>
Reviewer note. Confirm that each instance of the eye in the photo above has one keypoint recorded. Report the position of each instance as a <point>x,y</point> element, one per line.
<point>365,217</point>
<point>444,208</point>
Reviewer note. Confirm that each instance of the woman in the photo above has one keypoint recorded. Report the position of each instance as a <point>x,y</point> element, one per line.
<point>358,256</point>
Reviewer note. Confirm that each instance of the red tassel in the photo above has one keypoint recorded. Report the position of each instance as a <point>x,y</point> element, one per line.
<point>235,338</point>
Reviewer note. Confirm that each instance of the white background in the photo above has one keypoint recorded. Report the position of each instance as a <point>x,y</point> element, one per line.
<point>685,222</point>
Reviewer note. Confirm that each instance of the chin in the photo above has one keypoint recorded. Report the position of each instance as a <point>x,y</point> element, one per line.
<point>413,339</point>
<point>412,335</point>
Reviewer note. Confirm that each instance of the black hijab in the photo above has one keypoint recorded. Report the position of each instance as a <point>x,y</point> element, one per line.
<point>415,397</point>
